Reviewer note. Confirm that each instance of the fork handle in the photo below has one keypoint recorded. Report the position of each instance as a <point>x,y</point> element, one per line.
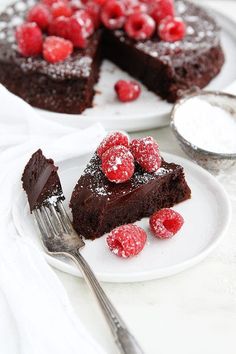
<point>125,342</point>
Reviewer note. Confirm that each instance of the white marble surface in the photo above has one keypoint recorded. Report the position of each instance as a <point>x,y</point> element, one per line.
<point>191,313</point>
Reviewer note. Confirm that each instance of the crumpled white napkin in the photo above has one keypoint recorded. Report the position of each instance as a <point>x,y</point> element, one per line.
<point>35,314</point>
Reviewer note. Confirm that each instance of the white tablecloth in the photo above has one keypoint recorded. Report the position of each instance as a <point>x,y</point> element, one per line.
<point>191,313</point>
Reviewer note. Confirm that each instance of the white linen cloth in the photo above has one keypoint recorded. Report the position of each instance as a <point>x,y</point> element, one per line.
<point>35,314</point>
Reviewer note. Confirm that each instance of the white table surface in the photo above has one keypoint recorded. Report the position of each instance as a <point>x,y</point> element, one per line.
<point>190,313</point>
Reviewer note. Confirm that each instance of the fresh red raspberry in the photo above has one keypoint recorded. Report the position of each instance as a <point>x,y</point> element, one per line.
<point>118,164</point>
<point>127,240</point>
<point>60,8</point>
<point>113,14</point>
<point>94,10</point>
<point>112,139</point>
<point>160,9</point>
<point>39,14</point>
<point>140,26</point>
<point>60,27</point>
<point>166,223</point>
<point>29,39</point>
<point>81,27</point>
<point>146,153</point>
<point>56,49</point>
<point>51,2</point>
<point>127,91</point>
<point>133,6</point>
<point>172,29</point>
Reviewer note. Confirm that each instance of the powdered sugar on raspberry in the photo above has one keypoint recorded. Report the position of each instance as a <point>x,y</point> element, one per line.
<point>118,164</point>
<point>112,139</point>
<point>127,240</point>
<point>166,223</point>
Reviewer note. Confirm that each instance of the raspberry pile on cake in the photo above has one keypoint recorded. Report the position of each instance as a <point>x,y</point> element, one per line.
<point>124,182</point>
<point>51,50</point>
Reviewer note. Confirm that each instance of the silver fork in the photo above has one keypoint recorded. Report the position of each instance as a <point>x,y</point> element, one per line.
<point>59,238</point>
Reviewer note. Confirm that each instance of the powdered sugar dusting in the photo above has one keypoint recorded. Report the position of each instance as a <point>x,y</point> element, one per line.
<point>97,183</point>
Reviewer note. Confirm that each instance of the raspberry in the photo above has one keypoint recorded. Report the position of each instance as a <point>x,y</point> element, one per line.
<point>40,15</point>
<point>127,240</point>
<point>56,49</point>
<point>166,223</point>
<point>60,8</point>
<point>171,29</point>
<point>113,14</point>
<point>140,26</point>
<point>146,153</point>
<point>133,6</point>
<point>118,164</point>
<point>81,27</point>
<point>51,2</point>
<point>112,139</point>
<point>29,39</point>
<point>161,9</point>
<point>60,26</point>
<point>94,9</point>
<point>127,91</point>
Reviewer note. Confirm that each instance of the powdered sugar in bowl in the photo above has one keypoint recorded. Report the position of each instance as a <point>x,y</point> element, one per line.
<point>205,125</point>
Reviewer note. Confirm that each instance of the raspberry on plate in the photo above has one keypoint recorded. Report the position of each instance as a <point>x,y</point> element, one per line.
<point>61,8</point>
<point>81,27</point>
<point>113,14</point>
<point>146,153</point>
<point>29,39</point>
<point>127,91</point>
<point>166,223</point>
<point>172,29</point>
<point>112,139</point>
<point>161,9</point>
<point>118,164</point>
<point>39,14</point>
<point>56,49</point>
<point>127,240</point>
<point>60,26</point>
<point>140,26</point>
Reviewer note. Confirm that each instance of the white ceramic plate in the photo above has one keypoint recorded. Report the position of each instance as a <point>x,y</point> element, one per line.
<point>206,215</point>
<point>148,111</point>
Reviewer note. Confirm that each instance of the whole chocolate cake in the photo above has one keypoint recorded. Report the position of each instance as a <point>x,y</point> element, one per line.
<point>98,205</point>
<point>168,69</point>
<point>40,180</point>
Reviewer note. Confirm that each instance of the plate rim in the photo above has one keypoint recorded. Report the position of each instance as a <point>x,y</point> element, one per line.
<point>156,273</point>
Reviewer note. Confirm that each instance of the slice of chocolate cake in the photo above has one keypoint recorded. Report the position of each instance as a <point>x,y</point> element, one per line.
<point>40,180</point>
<point>98,206</point>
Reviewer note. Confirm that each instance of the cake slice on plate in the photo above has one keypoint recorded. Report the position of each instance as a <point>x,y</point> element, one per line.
<point>99,205</point>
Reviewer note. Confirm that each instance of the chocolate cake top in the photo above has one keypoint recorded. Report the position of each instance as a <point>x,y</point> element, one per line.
<point>202,33</point>
<point>94,181</point>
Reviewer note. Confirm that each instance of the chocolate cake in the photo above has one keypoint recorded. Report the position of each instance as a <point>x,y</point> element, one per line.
<point>40,180</point>
<point>98,206</point>
<point>168,69</point>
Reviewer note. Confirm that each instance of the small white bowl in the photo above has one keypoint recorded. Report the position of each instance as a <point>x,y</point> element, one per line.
<point>214,162</point>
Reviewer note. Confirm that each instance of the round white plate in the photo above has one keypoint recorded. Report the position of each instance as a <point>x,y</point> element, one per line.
<point>206,215</point>
<point>149,111</point>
